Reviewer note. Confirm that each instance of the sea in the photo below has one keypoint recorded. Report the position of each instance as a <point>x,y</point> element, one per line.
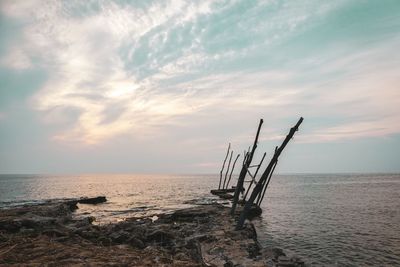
<point>326,219</point>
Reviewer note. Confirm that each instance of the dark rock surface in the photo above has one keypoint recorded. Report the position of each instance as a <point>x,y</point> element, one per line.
<point>49,234</point>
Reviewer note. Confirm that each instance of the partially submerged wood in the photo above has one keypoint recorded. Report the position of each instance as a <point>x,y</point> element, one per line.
<point>254,177</point>
<point>258,188</point>
<point>222,191</point>
<point>243,172</point>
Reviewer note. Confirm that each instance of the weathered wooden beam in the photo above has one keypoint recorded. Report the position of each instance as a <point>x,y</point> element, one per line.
<point>257,189</point>
<point>233,167</point>
<point>265,186</point>
<point>227,169</point>
<point>255,175</point>
<point>223,166</point>
<point>243,172</point>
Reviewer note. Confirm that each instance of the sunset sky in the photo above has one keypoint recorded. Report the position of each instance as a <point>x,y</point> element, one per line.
<point>163,86</point>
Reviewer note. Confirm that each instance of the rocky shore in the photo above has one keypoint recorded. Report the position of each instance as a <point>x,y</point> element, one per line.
<point>50,234</point>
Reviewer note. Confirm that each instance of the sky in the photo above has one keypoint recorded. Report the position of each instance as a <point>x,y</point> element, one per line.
<point>164,86</point>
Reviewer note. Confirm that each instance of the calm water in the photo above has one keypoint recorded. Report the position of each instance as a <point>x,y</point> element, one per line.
<point>335,220</point>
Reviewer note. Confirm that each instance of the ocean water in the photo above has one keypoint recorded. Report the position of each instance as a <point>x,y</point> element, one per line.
<point>327,219</point>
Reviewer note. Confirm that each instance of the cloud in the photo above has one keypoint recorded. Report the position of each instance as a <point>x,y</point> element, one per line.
<point>16,59</point>
<point>115,69</point>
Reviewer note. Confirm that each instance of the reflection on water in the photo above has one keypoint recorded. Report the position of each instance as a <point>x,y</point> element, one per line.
<point>127,195</point>
<point>343,220</point>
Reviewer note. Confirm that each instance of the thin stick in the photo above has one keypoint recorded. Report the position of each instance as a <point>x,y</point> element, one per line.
<point>227,170</point>
<point>233,167</point>
<point>255,174</point>
<point>223,166</point>
<point>261,197</point>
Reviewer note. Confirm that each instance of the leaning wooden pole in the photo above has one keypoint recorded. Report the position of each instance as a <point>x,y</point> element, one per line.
<point>233,167</point>
<point>255,174</point>
<point>258,188</point>
<point>223,166</point>
<point>265,186</point>
<point>227,169</point>
<point>243,172</point>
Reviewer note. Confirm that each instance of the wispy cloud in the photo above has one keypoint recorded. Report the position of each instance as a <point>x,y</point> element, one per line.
<point>115,69</point>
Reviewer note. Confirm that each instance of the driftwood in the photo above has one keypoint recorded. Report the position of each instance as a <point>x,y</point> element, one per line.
<point>258,188</point>
<point>227,170</point>
<point>222,191</point>
<point>244,170</point>
<point>233,167</point>
<point>223,166</point>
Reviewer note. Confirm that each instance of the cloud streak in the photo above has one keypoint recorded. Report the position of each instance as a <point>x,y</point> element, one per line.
<point>119,69</point>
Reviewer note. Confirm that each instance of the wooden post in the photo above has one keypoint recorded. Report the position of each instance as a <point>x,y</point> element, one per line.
<point>265,186</point>
<point>243,172</point>
<point>223,166</point>
<point>257,189</point>
<point>227,170</point>
<point>255,174</point>
<point>233,167</point>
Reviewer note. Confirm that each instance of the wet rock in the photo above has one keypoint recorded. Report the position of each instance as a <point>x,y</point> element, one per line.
<point>228,264</point>
<point>54,233</point>
<point>277,252</point>
<point>160,236</point>
<point>254,211</point>
<point>189,215</point>
<point>216,251</point>
<point>120,237</point>
<point>136,242</point>
<point>105,241</point>
<point>284,261</point>
<point>254,250</point>
<point>93,200</point>
<point>72,205</point>
<point>11,226</point>
<point>3,238</point>
<point>88,234</point>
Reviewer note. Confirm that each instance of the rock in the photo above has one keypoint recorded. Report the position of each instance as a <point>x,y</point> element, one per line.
<point>254,211</point>
<point>11,226</point>
<point>254,250</point>
<point>284,261</point>
<point>3,238</point>
<point>87,234</point>
<point>120,237</point>
<point>105,241</point>
<point>136,242</point>
<point>181,256</point>
<point>72,205</point>
<point>54,233</point>
<point>160,236</point>
<point>216,251</point>
<point>277,252</point>
<point>93,200</point>
<point>228,264</point>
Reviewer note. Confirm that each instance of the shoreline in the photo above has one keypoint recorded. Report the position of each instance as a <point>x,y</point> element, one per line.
<point>204,235</point>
